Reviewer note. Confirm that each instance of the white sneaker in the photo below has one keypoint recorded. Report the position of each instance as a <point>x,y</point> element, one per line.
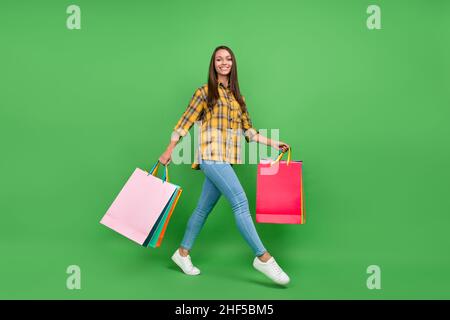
<point>272,270</point>
<point>185,264</point>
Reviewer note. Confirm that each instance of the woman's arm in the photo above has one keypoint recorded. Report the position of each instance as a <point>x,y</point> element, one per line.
<point>190,115</point>
<point>272,143</point>
<point>166,157</point>
<point>251,134</point>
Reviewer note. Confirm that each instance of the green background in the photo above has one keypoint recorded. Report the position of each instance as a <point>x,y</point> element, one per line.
<point>366,110</point>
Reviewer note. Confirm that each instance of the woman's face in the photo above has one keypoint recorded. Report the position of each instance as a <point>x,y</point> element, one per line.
<point>223,62</point>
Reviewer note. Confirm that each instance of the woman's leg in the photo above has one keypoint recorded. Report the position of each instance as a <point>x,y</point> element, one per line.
<point>208,199</point>
<point>225,180</point>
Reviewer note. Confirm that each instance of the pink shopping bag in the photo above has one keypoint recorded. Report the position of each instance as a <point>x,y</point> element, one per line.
<point>279,191</point>
<point>139,204</point>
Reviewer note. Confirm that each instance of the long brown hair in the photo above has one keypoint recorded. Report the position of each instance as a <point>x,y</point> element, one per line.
<point>213,93</point>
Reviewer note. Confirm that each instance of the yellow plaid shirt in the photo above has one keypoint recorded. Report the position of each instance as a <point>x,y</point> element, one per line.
<point>220,131</point>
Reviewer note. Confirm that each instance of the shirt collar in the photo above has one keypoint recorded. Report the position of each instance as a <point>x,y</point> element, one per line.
<point>221,84</point>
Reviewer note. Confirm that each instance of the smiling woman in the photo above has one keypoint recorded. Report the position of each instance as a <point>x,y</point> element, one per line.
<point>223,62</point>
<point>223,113</point>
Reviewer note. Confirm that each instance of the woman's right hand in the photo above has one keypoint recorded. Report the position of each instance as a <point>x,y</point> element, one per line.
<point>166,157</point>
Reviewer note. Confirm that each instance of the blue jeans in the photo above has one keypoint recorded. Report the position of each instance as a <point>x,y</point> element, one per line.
<point>220,178</point>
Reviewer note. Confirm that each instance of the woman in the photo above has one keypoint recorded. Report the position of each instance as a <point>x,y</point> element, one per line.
<point>223,114</point>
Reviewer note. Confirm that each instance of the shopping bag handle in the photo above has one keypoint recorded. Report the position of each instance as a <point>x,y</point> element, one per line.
<point>280,155</point>
<point>154,171</point>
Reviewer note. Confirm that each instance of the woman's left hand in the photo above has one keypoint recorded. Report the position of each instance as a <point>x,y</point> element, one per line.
<point>281,145</point>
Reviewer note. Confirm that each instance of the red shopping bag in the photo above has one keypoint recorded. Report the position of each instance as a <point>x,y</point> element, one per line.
<point>279,191</point>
